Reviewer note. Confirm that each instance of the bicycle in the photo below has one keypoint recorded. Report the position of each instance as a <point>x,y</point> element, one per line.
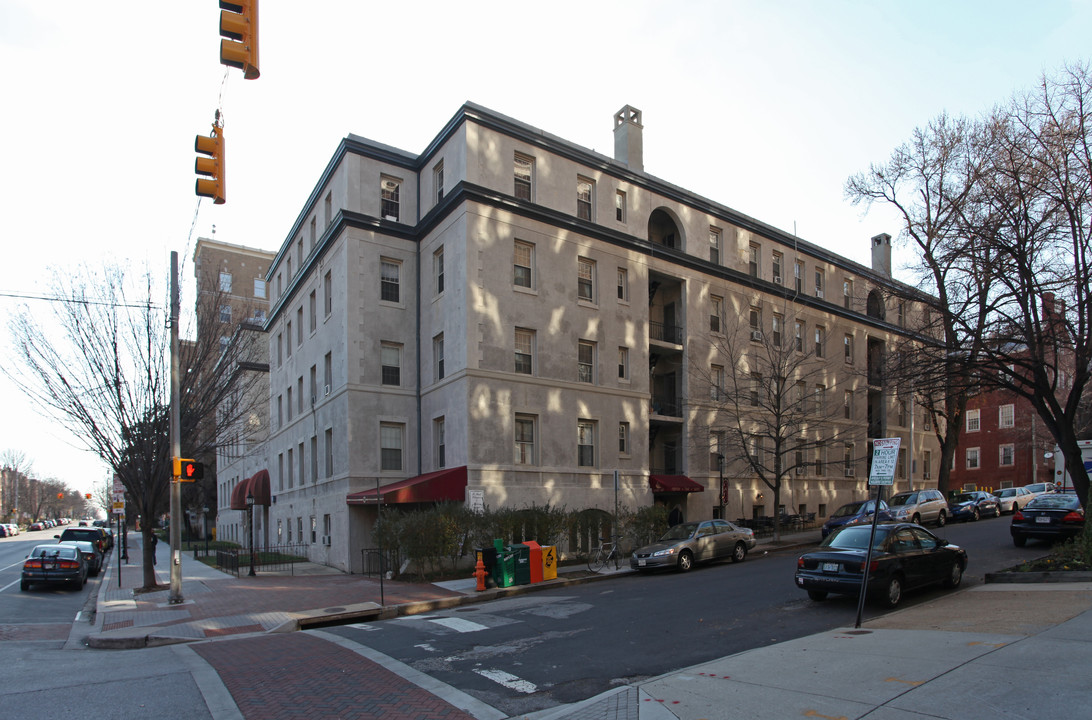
<point>604,554</point>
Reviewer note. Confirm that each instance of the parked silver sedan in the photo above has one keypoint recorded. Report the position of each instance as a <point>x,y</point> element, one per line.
<point>1013,498</point>
<point>693,542</point>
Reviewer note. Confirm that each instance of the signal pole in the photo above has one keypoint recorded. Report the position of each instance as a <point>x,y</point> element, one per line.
<point>175,597</point>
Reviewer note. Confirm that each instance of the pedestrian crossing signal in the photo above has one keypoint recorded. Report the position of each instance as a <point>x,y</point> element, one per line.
<point>186,470</point>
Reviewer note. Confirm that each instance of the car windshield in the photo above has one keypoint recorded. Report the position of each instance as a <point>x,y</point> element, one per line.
<point>1004,493</point>
<point>965,497</point>
<point>52,551</point>
<point>848,509</point>
<point>1068,502</point>
<point>903,499</point>
<point>682,531</point>
<point>854,538</point>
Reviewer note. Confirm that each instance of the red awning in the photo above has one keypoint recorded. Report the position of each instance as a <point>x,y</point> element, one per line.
<point>430,487</point>
<point>673,484</point>
<point>258,486</point>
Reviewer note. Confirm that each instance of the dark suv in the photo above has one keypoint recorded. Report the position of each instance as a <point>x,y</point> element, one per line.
<point>92,534</point>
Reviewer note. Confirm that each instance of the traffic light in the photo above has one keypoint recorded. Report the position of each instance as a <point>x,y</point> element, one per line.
<point>87,496</point>
<point>239,24</point>
<point>60,496</point>
<point>212,145</point>
<point>186,470</point>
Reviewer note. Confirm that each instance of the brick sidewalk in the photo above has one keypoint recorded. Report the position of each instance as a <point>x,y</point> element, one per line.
<point>295,675</point>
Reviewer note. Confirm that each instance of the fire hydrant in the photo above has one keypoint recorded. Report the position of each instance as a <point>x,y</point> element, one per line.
<point>479,572</point>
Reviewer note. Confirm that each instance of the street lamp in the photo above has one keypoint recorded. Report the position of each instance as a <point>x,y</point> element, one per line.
<point>250,520</point>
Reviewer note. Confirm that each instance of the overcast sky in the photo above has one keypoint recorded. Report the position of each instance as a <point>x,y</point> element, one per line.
<point>766,107</point>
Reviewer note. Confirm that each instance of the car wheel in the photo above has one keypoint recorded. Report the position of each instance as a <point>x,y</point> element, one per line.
<point>24,585</point>
<point>916,519</point>
<point>892,593</point>
<point>975,514</point>
<point>955,576</point>
<point>739,553</point>
<point>686,561</point>
<point>942,518</point>
<point>817,595</point>
<point>1019,540</point>
<point>997,511</point>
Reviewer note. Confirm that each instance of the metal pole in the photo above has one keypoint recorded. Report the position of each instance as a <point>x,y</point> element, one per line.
<point>379,539</point>
<point>250,521</point>
<point>175,597</point>
<point>119,550</point>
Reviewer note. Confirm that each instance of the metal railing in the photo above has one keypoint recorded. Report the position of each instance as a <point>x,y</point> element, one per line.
<point>374,563</point>
<point>274,558</point>
<point>665,333</point>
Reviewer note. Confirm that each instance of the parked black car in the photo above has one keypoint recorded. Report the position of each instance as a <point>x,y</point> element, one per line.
<point>973,505</point>
<point>54,564</point>
<point>904,556</point>
<point>1055,516</point>
<point>103,540</point>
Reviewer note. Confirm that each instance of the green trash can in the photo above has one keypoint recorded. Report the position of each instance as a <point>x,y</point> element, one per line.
<point>504,568</point>
<point>521,555</point>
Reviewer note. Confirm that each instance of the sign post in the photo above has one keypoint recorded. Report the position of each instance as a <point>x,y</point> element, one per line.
<point>885,456</point>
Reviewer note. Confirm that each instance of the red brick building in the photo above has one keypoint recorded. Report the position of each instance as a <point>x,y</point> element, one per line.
<point>1002,444</point>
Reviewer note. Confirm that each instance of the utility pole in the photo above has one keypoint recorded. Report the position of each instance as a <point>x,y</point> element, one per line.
<point>175,597</point>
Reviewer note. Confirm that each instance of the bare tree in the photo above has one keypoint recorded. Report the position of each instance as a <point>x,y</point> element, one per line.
<point>774,413</point>
<point>101,369</point>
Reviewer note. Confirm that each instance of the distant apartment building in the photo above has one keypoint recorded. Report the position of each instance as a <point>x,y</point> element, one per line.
<point>508,318</point>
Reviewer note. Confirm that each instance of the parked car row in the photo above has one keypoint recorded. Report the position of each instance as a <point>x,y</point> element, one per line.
<point>9,530</point>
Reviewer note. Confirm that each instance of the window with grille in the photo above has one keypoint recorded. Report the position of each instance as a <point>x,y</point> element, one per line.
<point>524,171</point>
<point>438,355</point>
<point>585,190</point>
<point>585,443</point>
<point>225,282</point>
<point>777,267</point>
<point>525,440</point>
<point>620,206</point>
<point>525,347</point>
<point>1006,455</point>
<point>389,203</point>
<point>716,313</point>
<point>623,284</point>
<point>438,180</point>
<point>585,283</point>
<point>390,439</point>
<point>623,363</point>
<point>974,423</point>
<point>523,259</point>
<point>390,280</point>
<point>391,359</point>
<point>438,269</point>
<point>1006,416</point>
<point>972,458</point>
<point>623,438</point>
<point>441,444</point>
<point>714,246</point>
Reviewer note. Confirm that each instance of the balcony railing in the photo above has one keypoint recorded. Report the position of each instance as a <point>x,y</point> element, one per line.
<point>664,405</point>
<point>665,333</point>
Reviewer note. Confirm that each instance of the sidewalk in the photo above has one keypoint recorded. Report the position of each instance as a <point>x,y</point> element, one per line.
<point>997,651</point>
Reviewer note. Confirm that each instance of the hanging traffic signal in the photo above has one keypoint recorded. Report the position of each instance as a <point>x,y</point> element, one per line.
<point>87,496</point>
<point>239,24</point>
<point>186,470</point>
<point>60,496</point>
<point>212,167</point>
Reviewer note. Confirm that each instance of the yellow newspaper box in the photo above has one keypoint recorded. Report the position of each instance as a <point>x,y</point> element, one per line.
<point>549,562</point>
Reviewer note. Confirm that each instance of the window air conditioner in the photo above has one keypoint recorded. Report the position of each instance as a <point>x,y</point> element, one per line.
<point>326,540</point>
<point>801,470</point>
<point>849,472</point>
<point>325,390</point>
<point>756,335</point>
<point>819,294</point>
<point>777,279</point>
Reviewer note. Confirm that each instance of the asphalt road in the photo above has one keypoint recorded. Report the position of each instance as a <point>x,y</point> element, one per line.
<point>549,648</point>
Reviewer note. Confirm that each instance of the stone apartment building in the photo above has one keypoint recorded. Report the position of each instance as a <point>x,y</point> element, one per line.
<point>507,319</point>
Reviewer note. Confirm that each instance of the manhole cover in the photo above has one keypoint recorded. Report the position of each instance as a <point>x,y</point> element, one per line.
<point>334,610</point>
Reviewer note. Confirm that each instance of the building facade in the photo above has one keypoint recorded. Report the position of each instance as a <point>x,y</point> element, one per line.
<point>510,319</point>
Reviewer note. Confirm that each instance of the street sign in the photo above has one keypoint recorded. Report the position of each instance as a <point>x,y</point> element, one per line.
<point>885,458</point>
<point>118,508</point>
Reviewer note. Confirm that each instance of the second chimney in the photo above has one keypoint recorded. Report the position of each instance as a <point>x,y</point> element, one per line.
<point>628,148</point>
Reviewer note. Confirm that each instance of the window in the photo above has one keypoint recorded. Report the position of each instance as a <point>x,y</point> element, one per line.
<point>299,325</point>
<point>756,325</point>
<point>820,397</point>
<point>585,362</point>
<point>623,284</point>
<point>280,348</point>
<point>623,363</point>
<point>299,394</point>
<point>818,283</point>
<point>1006,416</point>
<point>847,460</point>
<point>329,450</point>
<point>280,410</point>
<point>778,260</point>
<point>438,438</point>
<point>390,274</point>
<point>800,397</point>
<point>847,293</point>
<point>524,176</point>
<point>289,405</point>
<point>391,360</point>
<point>438,181</point>
<point>900,413</point>
<point>585,192</point>
<point>927,464</point>
<point>314,380</point>
<point>328,209</point>
<point>972,458</point>
<point>280,285</point>
<point>798,275</point>
<point>756,388</point>
<point>753,257</point>
<point>225,282</point>
<point>716,449</point>
<point>847,405</point>
<point>820,459</point>
<point>438,270</point>
<point>313,311</point>
<point>299,246</point>
<point>926,420</point>
<point>820,340</point>
<point>288,263</point>
<point>900,314</point>
<point>225,313</point>
<point>390,188</point>
<point>714,245</point>
<point>798,336</point>
<point>328,372</point>
<point>302,465</point>
<point>585,443</point>
<point>523,262</point>
<point>291,468</point>
<point>1006,455</point>
<point>775,328</point>
<point>585,281</point>
<point>716,313</point>
<point>390,444</point>
<point>716,388</point>
<point>288,337</point>
<point>623,438</point>
<point>525,440</point>
<point>327,294</point>
<point>438,356</point>
<point>280,483</point>
<point>849,349</point>
<point>755,450</point>
<point>620,206</point>
<point>525,351</point>
<point>259,288</point>
<point>973,421</point>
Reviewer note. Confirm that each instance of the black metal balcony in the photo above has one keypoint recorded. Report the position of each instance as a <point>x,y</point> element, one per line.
<point>665,333</point>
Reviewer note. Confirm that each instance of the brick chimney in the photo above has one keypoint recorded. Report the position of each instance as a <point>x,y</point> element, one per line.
<point>628,147</point>
<point>881,254</point>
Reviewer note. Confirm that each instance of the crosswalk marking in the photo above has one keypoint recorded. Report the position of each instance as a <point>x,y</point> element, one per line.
<point>508,680</point>
<point>459,624</point>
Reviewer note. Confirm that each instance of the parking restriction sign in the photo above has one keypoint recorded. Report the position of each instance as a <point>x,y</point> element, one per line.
<point>885,457</point>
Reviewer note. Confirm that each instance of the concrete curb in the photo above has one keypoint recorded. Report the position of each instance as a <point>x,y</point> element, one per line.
<point>1048,576</point>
